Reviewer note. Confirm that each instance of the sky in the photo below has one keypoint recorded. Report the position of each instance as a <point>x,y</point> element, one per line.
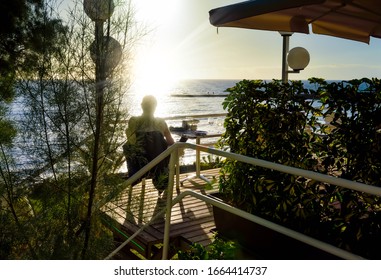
<point>184,45</point>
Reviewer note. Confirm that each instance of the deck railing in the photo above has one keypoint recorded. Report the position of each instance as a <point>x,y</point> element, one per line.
<point>174,173</point>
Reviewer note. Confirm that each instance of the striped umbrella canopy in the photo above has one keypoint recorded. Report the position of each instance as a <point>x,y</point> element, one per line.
<point>349,19</point>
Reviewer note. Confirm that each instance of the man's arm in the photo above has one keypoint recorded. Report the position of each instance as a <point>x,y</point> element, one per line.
<point>168,136</point>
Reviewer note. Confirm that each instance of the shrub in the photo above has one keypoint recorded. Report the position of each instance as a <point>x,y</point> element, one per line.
<point>283,123</point>
<point>219,249</point>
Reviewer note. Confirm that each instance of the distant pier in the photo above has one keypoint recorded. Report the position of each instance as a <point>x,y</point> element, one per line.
<point>199,95</point>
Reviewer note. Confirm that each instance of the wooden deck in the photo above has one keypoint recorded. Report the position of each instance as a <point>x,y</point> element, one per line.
<point>191,219</point>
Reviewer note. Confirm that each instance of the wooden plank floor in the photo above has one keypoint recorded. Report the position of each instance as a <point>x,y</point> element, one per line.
<point>191,219</point>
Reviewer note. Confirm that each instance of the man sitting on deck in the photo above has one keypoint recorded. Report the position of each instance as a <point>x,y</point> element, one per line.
<point>147,137</point>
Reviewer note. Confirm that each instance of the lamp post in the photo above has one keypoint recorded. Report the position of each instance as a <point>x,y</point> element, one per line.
<point>99,11</point>
<point>297,59</point>
<point>285,47</point>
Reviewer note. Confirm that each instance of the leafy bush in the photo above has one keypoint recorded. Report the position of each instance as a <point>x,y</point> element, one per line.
<point>283,123</point>
<point>219,249</point>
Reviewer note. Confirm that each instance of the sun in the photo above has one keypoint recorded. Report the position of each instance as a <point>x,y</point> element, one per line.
<point>157,59</point>
<point>156,72</point>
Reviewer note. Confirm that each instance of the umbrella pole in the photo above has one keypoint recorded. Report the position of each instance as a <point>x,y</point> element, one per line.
<point>285,49</point>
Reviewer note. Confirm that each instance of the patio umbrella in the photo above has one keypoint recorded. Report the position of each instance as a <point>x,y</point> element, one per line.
<point>349,19</point>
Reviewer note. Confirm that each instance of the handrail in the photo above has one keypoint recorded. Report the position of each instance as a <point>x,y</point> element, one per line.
<point>361,187</point>
<point>374,190</point>
<point>138,174</point>
<point>273,226</point>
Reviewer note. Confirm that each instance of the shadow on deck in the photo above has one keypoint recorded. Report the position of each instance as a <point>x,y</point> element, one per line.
<point>191,220</point>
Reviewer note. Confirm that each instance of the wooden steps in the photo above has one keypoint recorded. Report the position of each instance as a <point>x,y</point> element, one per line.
<point>191,219</point>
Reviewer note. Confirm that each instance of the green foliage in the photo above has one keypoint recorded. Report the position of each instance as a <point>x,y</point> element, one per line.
<point>354,141</point>
<point>281,123</point>
<point>22,24</point>
<point>47,210</point>
<point>8,132</point>
<point>25,30</point>
<point>219,249</point>
<point>210,162</point>
<point>49,226</point>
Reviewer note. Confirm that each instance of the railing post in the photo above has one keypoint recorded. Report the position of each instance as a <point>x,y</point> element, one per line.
<point>172,164</point>
<point>177,169</point>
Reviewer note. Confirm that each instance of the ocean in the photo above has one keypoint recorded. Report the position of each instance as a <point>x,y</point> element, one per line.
<point>185,97</point>
<point>182,100</point>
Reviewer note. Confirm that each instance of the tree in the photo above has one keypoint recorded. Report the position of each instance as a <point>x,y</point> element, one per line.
<point>21,26</point>
<point>20,30</point>
<point>58,137</point>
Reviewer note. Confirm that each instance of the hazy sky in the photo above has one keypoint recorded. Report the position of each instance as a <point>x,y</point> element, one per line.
<point>186,45</point>
<point>183,44</point>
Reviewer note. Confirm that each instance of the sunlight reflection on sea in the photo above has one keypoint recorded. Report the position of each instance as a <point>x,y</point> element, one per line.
<point>176,101</point>
<point>187,98</point>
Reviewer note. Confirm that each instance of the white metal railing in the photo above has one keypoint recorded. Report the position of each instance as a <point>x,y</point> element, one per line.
<point>173,151</point>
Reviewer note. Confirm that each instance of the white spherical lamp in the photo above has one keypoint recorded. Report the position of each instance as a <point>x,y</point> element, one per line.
<point>298,58</point>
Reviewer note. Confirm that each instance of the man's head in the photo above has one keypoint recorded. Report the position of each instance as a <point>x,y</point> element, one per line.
<point>149,104</point>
